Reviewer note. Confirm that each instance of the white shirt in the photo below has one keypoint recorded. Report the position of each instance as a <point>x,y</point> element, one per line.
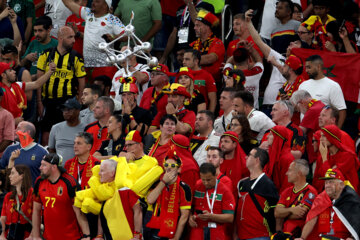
<point>326,90</point>
<point>252,81</point>
<point>259,122</point>
<point>269,21</point>
<point>114,91</point>
<point>222,124</point>
<point>276,80</point>
<point>95,28</point>
<point>58,13</point>
<point>200,154</point>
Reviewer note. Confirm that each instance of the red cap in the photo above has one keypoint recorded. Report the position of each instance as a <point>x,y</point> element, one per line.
<point>177,89</point>
<point>134,135</point>
<point>184,71</point>
<point>5,66</point>
<point>161,68</point>
<point>293,62</point>
<point>333,174</point>
<point>128,87</point>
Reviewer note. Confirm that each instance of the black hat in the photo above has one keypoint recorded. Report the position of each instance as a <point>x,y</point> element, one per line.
<point>54,159</point>
<point>72,103</point>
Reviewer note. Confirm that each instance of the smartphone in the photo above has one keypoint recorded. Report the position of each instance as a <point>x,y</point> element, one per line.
<point>253,13</point>
<point>342,25</point>
<point>198,211</point>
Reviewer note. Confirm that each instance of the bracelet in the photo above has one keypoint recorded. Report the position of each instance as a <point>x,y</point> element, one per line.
<point>85,235</point>
<point>137,235</point>
<point>164,182</point>
<point>132,117</point>
<point>99,236</point>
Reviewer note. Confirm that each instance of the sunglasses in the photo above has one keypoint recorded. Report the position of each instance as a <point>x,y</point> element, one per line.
<point>172,165</point>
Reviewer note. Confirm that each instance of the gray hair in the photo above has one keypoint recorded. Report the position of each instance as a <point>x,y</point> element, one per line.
<point>108,103</point>
<point>287,105</point>
<point>302,166</point>
<point>299,95</point>
<point>87,137</point>
<point>112,164</point>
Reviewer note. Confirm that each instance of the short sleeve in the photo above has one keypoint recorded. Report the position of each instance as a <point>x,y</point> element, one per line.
<point>118,26</point>
<point>282,200</point>
<point>79,67</point>
<point>52,140</point>
<point>228,202</point>
<point>84,12</point>
<point>189,118</point>
<point>185,196</point>
<point>218,48</point>
<point>9,127</point>
<point>30,9</point>
<point>309,197</point>
<point>156,13</point>
<point>41,64</point>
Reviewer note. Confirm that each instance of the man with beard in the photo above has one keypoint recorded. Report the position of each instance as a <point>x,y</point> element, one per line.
<point>323,88</point>
<point>204,126</point>
<point>89,98</point>
<point>14,99</point>
<point>67,81</point>
<point>42,41</point>
<point>54,198</point>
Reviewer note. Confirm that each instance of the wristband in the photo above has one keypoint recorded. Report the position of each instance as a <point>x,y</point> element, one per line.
<point>137,235</point>
<point>85,235</point>
<point>163,182</point>
<point>99,236</point>
<point>132,117</point>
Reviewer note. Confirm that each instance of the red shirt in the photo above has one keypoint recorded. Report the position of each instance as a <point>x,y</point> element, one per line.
<point>14,99</point>
<point>80,24</point>
<point>205,83</point>
<point>99,134</point>
<point>290,198</point>
<point>9,205</point>
<point>232,46</point>
<point>188,117</point>
<point>311,122</point>
<point>169,7</point>
<point>224,203</point>
<point>128,199</point>
<point>217,47</point>
<point>158,100</point>
<point>57,200</point>
<point>323,225</point>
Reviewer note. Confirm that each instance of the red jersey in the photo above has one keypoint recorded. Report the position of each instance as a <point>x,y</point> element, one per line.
<point>232,46</point>
<point>12,216</point>
<point>188,117</point>
<point>224,203</point>
<point>99,135</point>
<point>14,98</point>
<point>57,200</point>
<point>128,200</point>
<point>324,227</point>
<point>211,45</point>
<point>80,24</point>
<point>204,83</point>
<point>290,198</point>
<point>169,7</point>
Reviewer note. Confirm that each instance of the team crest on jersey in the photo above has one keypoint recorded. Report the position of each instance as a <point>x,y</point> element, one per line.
<point>60,191</point>
<point>33,157</point>
<point>311,195</point>
<point>288,198</point>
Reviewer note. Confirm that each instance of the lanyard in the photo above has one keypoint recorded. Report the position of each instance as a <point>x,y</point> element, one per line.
<point>185,16</point>
<point>79,175</point>
<point>211,206</point>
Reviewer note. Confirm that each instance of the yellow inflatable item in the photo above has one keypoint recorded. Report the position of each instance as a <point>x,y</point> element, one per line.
<point>137,175</point>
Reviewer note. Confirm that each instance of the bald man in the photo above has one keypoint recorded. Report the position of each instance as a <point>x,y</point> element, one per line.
<point>26,151</point>
<point>67,81</point>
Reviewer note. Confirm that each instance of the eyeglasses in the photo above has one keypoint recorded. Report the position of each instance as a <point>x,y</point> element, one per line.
<point>172,165</point>
<point>129,144</point>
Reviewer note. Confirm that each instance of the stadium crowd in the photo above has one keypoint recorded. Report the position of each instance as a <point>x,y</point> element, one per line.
<point>252,135</point>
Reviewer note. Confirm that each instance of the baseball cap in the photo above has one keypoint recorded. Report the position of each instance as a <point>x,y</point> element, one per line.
<point>5,66</point>
<point>54,159</point>
<point>177,89</point>
<point>185,71</point>
<point>72,103</point>
<point>293,62</point>
<point>161,68</point>
<point>134,135</point>
<point>333,174</point>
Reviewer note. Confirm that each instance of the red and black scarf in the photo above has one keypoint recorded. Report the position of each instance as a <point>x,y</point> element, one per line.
<point>168,201</point>
<point>86,173</point>
<point>203,48</point>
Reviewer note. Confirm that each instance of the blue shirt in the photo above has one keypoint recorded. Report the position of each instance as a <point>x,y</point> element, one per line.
<point>30,157</point>
<point>6,29</point>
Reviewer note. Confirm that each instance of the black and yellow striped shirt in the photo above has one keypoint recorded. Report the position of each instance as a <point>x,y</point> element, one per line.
<point>63,82</point>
